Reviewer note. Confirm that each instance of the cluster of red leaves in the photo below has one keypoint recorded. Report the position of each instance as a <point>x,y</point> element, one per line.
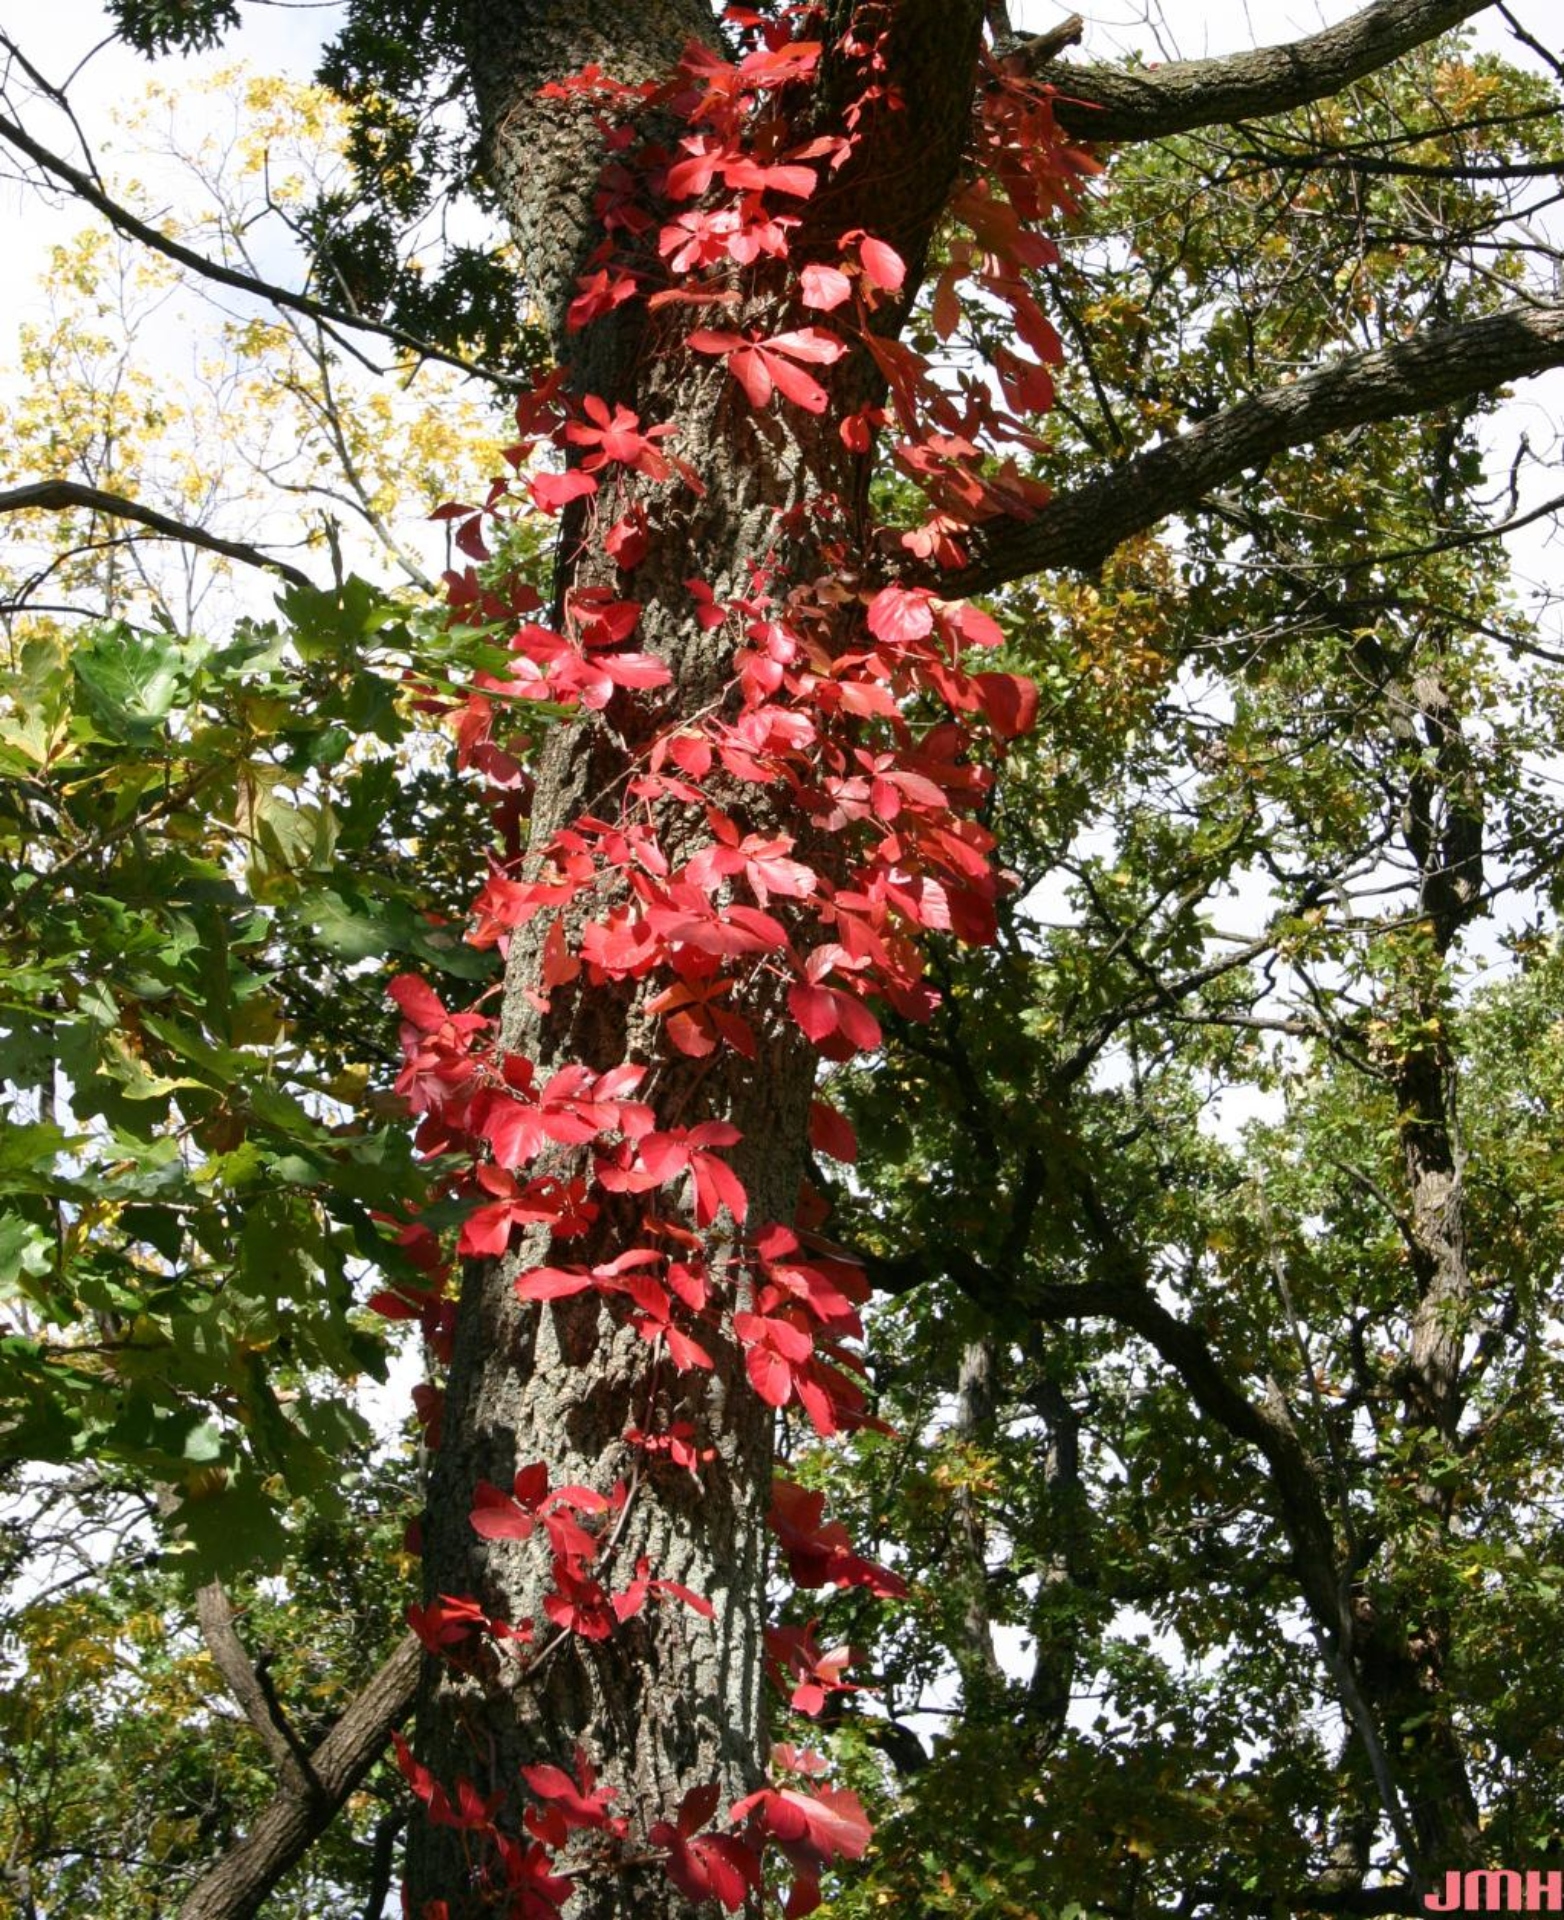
<point>829,715</point>
<point>578,1602</point>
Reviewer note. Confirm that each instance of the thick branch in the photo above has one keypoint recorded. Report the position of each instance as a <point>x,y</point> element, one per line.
<point>1080,529</point>
<point>60,496</point>
<point>124,221</point>
<point>1104,103</point>
<point>215,1616</point>
<point>283,1831</point>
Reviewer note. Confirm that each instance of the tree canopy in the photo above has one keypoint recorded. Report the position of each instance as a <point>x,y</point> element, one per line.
<point>964,844</point>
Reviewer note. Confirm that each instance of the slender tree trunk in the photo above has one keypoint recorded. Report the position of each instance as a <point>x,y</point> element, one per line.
<point>1403,1647</point>
<point>977,1401</point>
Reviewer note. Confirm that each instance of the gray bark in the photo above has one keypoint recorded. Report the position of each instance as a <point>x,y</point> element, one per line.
<point>671,1702</point>
<point>1105,103</point>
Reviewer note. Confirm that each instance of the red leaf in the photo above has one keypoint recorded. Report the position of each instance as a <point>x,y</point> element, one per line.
<point>495,1516</point>
<point>770,1376</point>
<point>685,1352</point>
<point>486,1232</point>
<point>716,1186</point>
<point>835,1820</point>
<point>708,340</point>
<point>552,1283</point>
<point>694,1601</point>
<point>901,614</point>
<point>883,264</point>
<point>807,343</point>
<point>977,628</point>
<point>418,1001</point>
<point>749,175</point>
<point>396,1306</point>
<point>626,540</point>
<point>551,491</point>
<point>814,1008</point>
<point>697,1807</point>
<point>1010,702</point>
<point>831,1133</point>
<point>752,369</point>
<point>824,288</point>
<point>803,1897</point>
<point>794,384</point>
<point>711,1867</point>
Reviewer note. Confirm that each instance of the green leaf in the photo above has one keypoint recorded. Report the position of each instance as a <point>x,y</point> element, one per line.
<point>129,680</point>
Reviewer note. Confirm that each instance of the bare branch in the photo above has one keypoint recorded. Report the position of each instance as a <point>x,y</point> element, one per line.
<point>1034,51</point>
<point>1079,530</point>
<point>1104,103</point>
<point>238,1885</point>
<point>60,496</point>
<point>134,228</point>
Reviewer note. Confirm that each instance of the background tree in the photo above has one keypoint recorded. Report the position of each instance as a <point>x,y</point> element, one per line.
<point>1174,1375</point>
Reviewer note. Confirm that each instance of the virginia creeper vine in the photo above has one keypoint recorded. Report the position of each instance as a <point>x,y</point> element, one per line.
<point>851,705</point>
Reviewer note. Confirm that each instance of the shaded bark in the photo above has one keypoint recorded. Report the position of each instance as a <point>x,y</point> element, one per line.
<point>977,1400</point>
<point>1406,1647</point>
<point>1065,1573</point>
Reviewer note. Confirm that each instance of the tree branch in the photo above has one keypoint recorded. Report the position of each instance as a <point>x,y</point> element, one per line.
<point>60,496</point>
<point>1105,103</point>
<point>125,222</point>
<point>1079,530</point>
<point>1119,1292</point>
<point>237,1886</point>
<point>215,1616</point>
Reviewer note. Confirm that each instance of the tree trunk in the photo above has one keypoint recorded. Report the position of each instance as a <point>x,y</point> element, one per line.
<point>670,1701</point>
<point>1403,1644</point>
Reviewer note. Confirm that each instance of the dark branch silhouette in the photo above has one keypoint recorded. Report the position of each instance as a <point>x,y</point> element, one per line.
<point>1078,530</point>
<point>134,228</point>
<point>60,496</point>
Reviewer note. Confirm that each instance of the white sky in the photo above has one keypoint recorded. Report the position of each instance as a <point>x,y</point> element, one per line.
<point>280,38</point>
<point>284,38</point>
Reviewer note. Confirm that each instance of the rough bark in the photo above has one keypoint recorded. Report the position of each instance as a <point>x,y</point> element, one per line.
<point>237,1886</point>
<point>671,1702</point>
<point>215,1616</point>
